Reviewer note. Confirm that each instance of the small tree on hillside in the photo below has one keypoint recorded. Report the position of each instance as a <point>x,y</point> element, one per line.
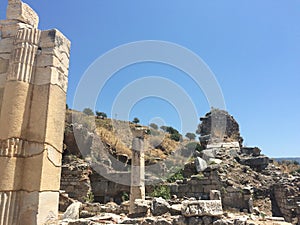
<point>88,111</point>
<point>154,126</point>
<point>164,128</point>
<point>101,114</point>
<point>135,120</point>
<point>176,136</point>
<point>191,136</point>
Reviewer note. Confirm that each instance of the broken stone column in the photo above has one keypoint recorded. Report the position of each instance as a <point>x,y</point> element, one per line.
<point>33,81</point>
<point>137,189</point>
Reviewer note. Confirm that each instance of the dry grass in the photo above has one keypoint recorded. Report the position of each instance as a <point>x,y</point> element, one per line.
<point>287,166</point>
<point>117,134</point>
<point>113,141</point>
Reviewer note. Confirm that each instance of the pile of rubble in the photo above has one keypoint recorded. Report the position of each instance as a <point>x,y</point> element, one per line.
<point>158,211</point>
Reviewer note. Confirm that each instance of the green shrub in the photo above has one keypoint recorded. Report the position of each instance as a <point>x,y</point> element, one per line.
<point>89,198</point>
<point>191,146</point>
<point>161,191</point>
<point>176,176</point>
<point>125,196</point>
<point>175,137</point>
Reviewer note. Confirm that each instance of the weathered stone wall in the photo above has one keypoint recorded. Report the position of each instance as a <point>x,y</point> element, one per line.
<point>104,190</point>
<point>79,181</point>
<point>285,196</point>
<point>33,82</point>
<point>75,180</point>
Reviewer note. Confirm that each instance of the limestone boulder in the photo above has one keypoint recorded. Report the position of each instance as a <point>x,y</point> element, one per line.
<point>208,154</point>
<point>200,164</point>
<point>256,163</point>
<point>202,208</point>
<point>159,206</point>
<point>251,151</point>
<point>175,209</point>
<point>73,211</point>
<point>141,208</point>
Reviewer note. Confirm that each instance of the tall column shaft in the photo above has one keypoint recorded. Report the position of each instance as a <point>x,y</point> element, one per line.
<point>33,82</point>
<point>137,189</point>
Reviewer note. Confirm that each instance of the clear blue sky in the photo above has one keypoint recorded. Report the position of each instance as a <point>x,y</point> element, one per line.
<point>253,48</point>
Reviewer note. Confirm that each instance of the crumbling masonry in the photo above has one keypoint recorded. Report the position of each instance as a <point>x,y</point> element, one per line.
<point>33,82</point>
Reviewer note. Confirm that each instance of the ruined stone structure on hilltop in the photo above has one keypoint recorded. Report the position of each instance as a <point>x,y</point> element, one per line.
<point>33,82</point>
<point>219,126</point>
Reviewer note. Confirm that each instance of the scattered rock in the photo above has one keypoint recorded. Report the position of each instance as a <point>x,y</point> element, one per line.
<point>73,211</point>
<point>202,208</point>
<point>215,195</point>
<point>159,206</point>
<point>200,164</point>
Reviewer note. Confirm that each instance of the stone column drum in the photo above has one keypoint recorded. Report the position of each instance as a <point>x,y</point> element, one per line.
<point>33,82</point>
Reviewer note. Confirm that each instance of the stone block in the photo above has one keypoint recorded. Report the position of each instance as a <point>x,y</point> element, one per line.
<point>197,188</point>
<point>200,164</point>
<point>175,209</point>
<point>44,60</point>
<point>257,163</point>
<point>4,63</point>
<point>251,151</point>
<point>36,130</point>
<point>38,207</point>
<point>202,208</point>
<point>208,154</point>
<point>11,173</point>
<point>62,54</point>
<point>40,173</point>
<point>15,107</point>
<point>9,28</point>
<point>54,39</point>
<point>6,45</point>
<point>159,206</point>
<point>73,211</point>
<point>17,10</point>
<point>140,208</point>
<point>51,75</point>
<point>56,114</point>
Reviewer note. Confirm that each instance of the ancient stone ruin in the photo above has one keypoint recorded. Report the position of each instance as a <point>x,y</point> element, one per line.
<point>33,83</point>
<point>137,188</point>
<point>218,126</point>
